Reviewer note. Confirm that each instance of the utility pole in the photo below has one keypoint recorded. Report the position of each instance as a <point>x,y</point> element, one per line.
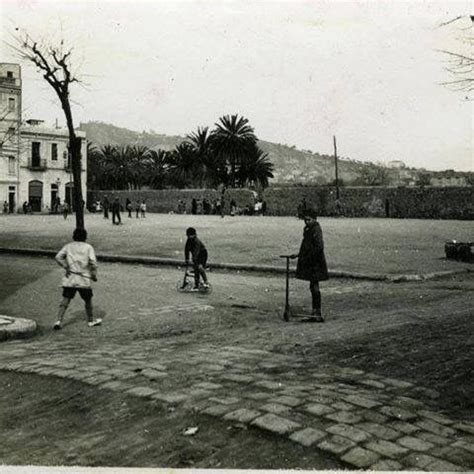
<point>335,165</point>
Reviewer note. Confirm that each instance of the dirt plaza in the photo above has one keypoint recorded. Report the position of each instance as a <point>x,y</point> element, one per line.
<point>383,384</point>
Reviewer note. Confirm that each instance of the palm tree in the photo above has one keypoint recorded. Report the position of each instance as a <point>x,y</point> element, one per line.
<point>183,165</point>
<point>200,143</point>
<point>95,168</point>
<point>137,162</point>
<point>158,162</point>
<point>256,169</point>
<point>109,154</point>
<point>232,141</point>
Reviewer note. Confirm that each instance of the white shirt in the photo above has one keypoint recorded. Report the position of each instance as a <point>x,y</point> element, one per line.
<point>79,258</point>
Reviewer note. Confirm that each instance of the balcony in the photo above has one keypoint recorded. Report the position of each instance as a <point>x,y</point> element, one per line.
<point>37,164</point>
<point>9,81</point>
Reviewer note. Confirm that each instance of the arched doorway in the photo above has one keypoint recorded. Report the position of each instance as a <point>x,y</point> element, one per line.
<point>69,193</point>
<point>54,197</point>
<point>35,195</point>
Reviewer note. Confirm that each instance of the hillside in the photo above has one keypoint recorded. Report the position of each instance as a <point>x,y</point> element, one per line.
<point>291,165</point>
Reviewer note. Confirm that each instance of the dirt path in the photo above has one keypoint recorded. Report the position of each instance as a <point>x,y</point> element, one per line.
<point>230,355</point>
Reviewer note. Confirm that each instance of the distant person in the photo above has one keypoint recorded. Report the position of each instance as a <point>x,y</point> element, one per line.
<point>194,206</point>
<point>128,206</point>
<point>387,208</point>
<point>79,260</point>
<point>65,209</point>
<point>5,207</point>
<point>143,208</point>
<point>25,207</point>
<point>106,206</point>
<point>199,207</point>
<point>218,206</point>
<point>258,207</point>
<point>137,208</point>
<point>198,252</point>
<point>116,212</point>
<point>302,206</point>
<point>205,206</point>
<point>339,209</point>
<point>264,207</point>
<point>311,264</point>
<point>233,208</point>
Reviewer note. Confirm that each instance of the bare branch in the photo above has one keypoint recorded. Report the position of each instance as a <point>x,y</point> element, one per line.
<point>450,21</point>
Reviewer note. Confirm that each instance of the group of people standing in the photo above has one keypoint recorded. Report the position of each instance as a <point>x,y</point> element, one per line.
<point>116,208</point>
<point>217,207</point>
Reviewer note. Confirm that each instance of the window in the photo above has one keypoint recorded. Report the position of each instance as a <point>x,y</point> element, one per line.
<point>54,151</point>
<point>11,103</point>
<point>35,153</point>
<point>9,74</point>
<point>11,165</point>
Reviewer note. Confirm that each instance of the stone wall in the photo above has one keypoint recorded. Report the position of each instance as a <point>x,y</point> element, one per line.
<point>399,202</point>
<point>166,200</point>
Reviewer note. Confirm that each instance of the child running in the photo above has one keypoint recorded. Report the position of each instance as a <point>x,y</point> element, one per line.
<point>79,260</point>
<point>198,253</point>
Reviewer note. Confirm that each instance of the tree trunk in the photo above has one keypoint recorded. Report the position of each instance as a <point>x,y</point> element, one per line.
<point>75,148</point>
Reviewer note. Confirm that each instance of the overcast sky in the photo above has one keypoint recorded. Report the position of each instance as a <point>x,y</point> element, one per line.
<point>301,72</point>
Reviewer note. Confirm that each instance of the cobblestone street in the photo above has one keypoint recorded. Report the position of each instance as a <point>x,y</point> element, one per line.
<point>366,420</point>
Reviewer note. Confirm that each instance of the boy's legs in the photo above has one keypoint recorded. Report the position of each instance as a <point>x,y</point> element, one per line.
<point>86,295</point>
<point>316,298</point>
<point>196,275</point>
<point>62,310</point>
<point>202,272</point>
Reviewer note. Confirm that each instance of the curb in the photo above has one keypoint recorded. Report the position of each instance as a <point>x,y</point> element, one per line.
<point>16,328</point>
<point>146,260</point>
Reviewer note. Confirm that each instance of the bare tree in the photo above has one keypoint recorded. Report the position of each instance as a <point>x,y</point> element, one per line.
<point>54,62</point>
<point>460,63</point>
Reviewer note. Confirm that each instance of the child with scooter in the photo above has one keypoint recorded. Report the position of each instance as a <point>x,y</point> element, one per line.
<point>198,252</point>
<point>311,264</point>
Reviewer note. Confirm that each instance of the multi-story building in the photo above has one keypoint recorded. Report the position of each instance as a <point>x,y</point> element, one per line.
<point>10,121</point>
<point>35,165</point>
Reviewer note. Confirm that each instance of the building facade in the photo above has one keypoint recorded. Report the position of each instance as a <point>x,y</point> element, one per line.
<point>35,165</point>
<point>10,122</point>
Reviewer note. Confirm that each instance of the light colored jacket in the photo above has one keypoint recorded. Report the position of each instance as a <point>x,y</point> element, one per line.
<point>80,262</point>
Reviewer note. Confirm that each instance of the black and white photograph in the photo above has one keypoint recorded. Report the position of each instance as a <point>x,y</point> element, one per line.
<point>236,234</point>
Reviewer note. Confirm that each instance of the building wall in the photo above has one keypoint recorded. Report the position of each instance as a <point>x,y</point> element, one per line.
<point>10,120</point>
<point>53,172</point>
<point>15,140</point>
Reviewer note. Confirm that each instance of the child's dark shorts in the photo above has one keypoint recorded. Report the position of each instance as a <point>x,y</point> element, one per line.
<point>84,293</point>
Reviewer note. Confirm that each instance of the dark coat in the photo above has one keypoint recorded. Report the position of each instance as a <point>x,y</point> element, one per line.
<point>311,259</point>
<point>197,250</point>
